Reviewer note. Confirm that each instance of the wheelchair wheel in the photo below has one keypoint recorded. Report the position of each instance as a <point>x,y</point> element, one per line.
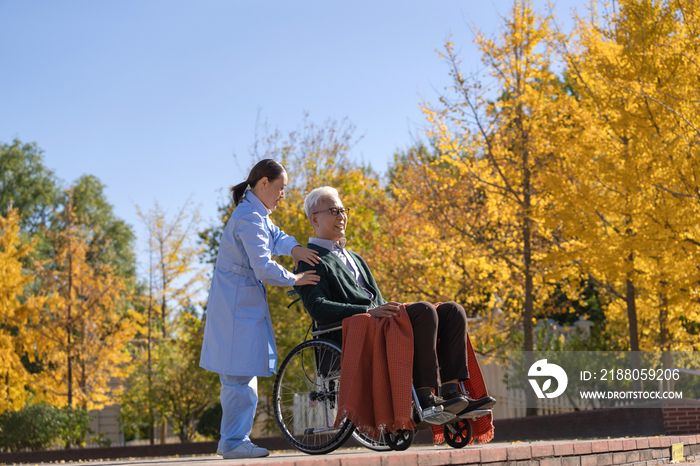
<point>461,436</point>
<point>376,444</point>
<point>305,398</point>
<point>399,440</point>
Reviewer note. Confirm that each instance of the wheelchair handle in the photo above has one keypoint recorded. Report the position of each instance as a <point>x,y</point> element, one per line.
<point>291,294</point>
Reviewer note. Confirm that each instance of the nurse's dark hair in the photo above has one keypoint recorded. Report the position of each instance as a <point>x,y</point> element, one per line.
<point>266,168</point>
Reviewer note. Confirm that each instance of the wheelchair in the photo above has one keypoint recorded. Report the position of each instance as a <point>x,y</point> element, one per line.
<point>305,397</point>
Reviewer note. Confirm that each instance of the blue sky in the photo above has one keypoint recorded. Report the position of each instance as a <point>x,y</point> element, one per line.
<point>155,97</point>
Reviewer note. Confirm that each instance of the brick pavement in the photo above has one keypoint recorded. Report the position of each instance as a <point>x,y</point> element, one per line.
<point>645,451</point>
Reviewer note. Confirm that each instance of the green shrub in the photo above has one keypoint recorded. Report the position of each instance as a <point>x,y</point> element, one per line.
<point>101,440</point>
<point>209,423</point>
<point>35,427</point>
<point>134,431</point>
<point>75,426</point>
<point>41,426</point>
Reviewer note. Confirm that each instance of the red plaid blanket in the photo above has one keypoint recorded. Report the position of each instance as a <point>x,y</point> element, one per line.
<point>482,428</point>
<point>376,371</point>
<point>376,377</point>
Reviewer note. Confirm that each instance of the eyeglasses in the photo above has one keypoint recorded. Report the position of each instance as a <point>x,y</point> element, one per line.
<point>335,211</point>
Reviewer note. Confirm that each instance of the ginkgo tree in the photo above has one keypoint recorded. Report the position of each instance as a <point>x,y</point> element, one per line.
<point>68,283</point>
<point>174,281</point>
<point>501,137</point>
<point>13,337</point>
<point>434,242</point>
<point>174,277</point>
<point>627,179</point>
<point>80,323</point>
<point>174,388</point>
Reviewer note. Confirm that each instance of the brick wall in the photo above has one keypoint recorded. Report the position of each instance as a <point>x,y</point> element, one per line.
<point>599,423</point>
<point>670,417</point>
<point>681,416</point>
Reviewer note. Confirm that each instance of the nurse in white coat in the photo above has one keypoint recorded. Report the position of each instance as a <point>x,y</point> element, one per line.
<point>239,342</point>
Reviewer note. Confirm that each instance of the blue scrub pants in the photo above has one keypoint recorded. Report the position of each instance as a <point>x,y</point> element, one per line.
<point>239,398</point>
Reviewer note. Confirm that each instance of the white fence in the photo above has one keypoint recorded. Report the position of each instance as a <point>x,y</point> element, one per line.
<point>316,416</point>
<point>511,403</point>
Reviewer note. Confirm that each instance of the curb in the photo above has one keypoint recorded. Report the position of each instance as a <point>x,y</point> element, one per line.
<point>646,451</point>
<point>640,451</point>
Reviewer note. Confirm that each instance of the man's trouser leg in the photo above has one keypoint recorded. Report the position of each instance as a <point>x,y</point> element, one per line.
<point>239,398</point>
<point>424,320</point>
<point>452,350</point>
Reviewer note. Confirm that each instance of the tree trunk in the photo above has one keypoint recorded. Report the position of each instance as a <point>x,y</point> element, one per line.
<point>162,316</point>
<point>69,374</point>
<point>663,323</point>
<point>150,377</point>
<point>531,398</point>
<point>664,340</point>
<point>184,433</point>
<point>164,284</point>
<point>633,332</point>
<point>151,427</point>
<point>529,302</point>
<point>632,316</point>
<point>527,266</point>
<point>68,327</point>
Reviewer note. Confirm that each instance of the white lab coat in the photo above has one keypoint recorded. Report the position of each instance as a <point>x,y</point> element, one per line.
<point>238,335</point>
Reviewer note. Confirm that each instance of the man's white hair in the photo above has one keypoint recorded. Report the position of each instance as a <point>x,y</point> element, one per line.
<point>316,197</point>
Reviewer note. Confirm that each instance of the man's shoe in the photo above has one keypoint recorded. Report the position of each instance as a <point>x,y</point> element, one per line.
<point>453,393</point>
<point>482,403</point>
<point>246,450</point>
<point>429,400</point>
<point>454,405</point>
<point>219,451</point>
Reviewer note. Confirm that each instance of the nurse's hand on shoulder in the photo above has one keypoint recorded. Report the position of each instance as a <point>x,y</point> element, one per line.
<point>300,253</point>
<point>306,278</point>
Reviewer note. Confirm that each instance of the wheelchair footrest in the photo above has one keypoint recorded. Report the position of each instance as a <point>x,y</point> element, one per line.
<point>437,417</point>
<point>477,413</point>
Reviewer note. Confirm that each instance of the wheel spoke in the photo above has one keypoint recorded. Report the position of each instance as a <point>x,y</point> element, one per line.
<point>306,396</point>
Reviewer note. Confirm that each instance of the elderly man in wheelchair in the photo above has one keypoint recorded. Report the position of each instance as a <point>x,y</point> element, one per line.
<point>347,287</point>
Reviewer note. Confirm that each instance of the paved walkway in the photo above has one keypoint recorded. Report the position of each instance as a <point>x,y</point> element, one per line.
<point>645,451</point>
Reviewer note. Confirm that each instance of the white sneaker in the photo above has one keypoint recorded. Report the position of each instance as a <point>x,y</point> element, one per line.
<point>246,450</point>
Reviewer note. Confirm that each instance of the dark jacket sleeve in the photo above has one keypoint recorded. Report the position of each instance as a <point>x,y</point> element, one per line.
<point>318,300</point>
